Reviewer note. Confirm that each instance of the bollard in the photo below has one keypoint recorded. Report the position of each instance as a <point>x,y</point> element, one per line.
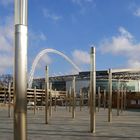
<point>70,101</point>
<point>110,96</point>
<point>5,98</point>
<point>99,99</point>
<point>50,97</point>
<point>34,100</point>
<point>92,91</point>
<point>55,101</point>
<point>122,99</point>
<point>46,94</point>
<point>73,98</point>
<point>80,99</point>
<point>88,100</point>
<point>125,102</point>
<point>104,99</point>
<point>118,99</point>
<point>9,104</point>
<point>66,100</point>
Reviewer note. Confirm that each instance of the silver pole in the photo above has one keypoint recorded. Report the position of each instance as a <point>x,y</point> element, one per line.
<point>46,94</point>
<point>80,99</point>
<point>125,99</point>
<point>5,95</point>
<point>20,71</point>
<point>50,97</point>
<point>66,99</point>
<point>73,97</point>
<point>70,96</point>
<point>104,99</point>
<point>110,97</point>
<point>92,91</point>
<point>122,99</point>
<point>55,101</point>
<point>34,100</point>
<point>9,105</point>
<point>99,99</point>
<point>88,100</point>
<point>118,99</point>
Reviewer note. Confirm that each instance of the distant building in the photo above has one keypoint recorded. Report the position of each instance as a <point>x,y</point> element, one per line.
<point>128,79</point>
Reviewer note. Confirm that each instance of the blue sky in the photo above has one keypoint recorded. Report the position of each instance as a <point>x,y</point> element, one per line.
<point>72,26</point>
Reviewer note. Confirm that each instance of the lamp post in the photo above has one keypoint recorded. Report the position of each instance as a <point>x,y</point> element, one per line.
<point>20,70</point>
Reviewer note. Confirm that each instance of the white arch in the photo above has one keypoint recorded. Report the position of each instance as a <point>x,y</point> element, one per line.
<point>45,51</point>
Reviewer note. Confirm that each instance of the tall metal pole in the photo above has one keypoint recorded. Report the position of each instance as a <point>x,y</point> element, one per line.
<point>81,100</point>
<point>46,94</point>
<point>125,99</point>
<point>20,71</point>
<point>92,91</point>
<point>34,100</point>
<point>66,99</point>
<point>122,91</point>
<point>55,101</point>
<point>50,97</point>
<point>118,99</point>
<point>99,99</point>
<point>9,105</point>
<point>70,96</point>
<point>73,98</point>
<point>110,97</point>
<point>104,99</point>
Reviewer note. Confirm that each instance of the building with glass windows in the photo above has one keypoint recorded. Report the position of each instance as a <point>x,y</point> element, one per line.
<point>125,78</point>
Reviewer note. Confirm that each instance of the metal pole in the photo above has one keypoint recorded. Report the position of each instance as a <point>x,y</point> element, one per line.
<point>46,94</point>
<point>73,98</point>
<point>104,99</point>
<point>70,96</point>
<point>80,99</point>
<point>50,105</point>
<point>42,96</point>
<point>55,101</point>
<point>66,99</point>
<point>20,71</point>
<point>9,105</point>
<point>122,99</point>
<point>99,99</point>
<point>88,100</point>
<point>110,97</point>
<point>92,91</point>
<point>5,95</point>
<point>34,100</point>
<point>125,99</point>
<point>118,99</point>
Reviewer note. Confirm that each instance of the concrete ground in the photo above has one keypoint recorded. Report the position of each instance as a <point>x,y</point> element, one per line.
<point>62,126</point>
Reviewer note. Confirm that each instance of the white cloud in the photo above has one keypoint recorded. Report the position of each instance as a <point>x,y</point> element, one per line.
<point>84,5</point>
<point>50,15</point>
<point>137,12</point>
<point>40,36</point>
<point>123,44</point>
<point>6,2</point>
<point>6,44</point>
<point>81,57</point>
<point>45,60</point>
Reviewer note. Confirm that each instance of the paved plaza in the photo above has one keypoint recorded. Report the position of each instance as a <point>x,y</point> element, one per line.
<point>62,127</point>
